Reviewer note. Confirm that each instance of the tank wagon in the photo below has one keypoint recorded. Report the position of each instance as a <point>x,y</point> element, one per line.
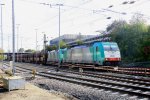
<point>98,53</point>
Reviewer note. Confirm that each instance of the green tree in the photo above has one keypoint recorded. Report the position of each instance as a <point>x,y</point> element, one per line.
<point>1,56</point>
<point>62,44</point>
<point>51,47</point>
<point>21,50</point>
<point>29,50</point>
<point>131,39</point>
<point>115,24</point>
<point>137,18</point>
<point>145,46</point>
<point>79,42</point>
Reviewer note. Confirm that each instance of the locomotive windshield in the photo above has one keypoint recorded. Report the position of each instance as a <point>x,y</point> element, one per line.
<point>111,48</point>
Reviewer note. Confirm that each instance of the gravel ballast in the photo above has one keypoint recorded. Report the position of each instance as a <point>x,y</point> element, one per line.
<point>79,91</point>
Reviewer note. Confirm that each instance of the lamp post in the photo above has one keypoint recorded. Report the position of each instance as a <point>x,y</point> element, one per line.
<point>13,36</point>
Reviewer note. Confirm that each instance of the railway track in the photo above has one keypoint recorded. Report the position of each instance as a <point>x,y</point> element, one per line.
<point>130,79</point>
<point>137,87</point>
<point>126,79</point>
<point>140,71</point>
<point>121,70</point>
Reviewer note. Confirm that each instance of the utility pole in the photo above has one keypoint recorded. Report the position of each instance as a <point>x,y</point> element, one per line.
<point>13,37</point>
<point>2,32</point>
<point>17,40</point>
<point>45,41</point>
<point>22,49</point>
<point>59,5</point>
<point>36,44</point>
<point>8,45</point>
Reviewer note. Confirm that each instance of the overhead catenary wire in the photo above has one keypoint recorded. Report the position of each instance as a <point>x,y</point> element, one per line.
<point>136,4</point>
<point>78,26</point>
<point>80,16</point>
<point>41,3</point>
<point>97,11</point>
<point>93,10</point>
<point>52,5</point>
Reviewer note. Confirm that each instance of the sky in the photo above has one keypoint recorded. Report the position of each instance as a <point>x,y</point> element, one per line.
<point>77,16</point>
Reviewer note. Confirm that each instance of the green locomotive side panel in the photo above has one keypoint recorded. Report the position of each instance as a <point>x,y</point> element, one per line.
<point>65,54</point>
<point>98,53</point>
<point>61,54</point>
<point>92,52</point>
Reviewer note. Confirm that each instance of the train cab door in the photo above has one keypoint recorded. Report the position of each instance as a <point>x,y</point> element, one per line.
<point>97,55</point>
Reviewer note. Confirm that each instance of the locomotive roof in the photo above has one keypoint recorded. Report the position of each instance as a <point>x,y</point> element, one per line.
<point>81,46</point>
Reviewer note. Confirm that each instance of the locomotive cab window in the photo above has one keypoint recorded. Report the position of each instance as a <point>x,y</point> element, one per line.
<point>106,47</point>
<point>111,48</point>
<point>114,48</point>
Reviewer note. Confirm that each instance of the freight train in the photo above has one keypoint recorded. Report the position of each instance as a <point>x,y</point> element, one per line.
<point>98,53</point>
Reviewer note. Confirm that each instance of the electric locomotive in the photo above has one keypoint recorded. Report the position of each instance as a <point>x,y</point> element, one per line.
<point>98,53</point>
